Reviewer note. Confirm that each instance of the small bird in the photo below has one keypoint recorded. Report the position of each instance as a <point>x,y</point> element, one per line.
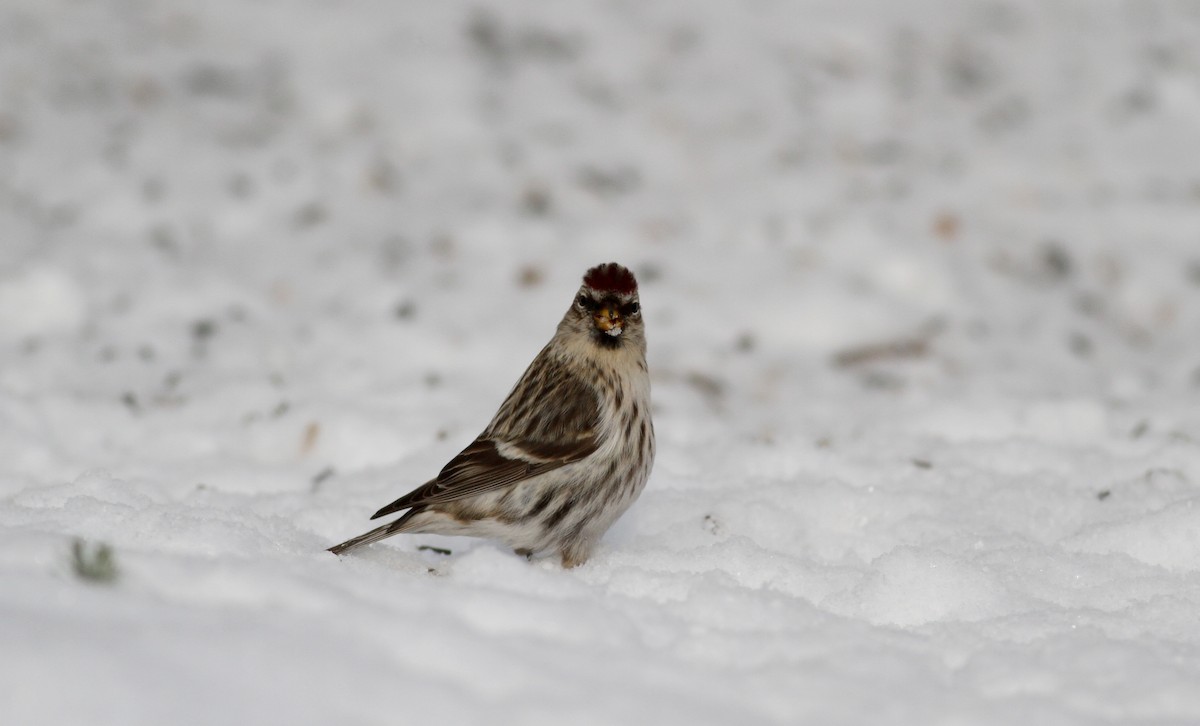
<point>570,448</point>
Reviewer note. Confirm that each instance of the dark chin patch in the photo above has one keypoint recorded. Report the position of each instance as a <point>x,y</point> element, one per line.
<point>604,340</point>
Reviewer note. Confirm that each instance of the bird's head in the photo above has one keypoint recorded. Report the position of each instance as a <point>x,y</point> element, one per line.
<point>606,307</point>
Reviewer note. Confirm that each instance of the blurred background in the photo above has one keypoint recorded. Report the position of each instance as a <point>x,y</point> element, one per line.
<point>219,213</point>
<point>922,291</point>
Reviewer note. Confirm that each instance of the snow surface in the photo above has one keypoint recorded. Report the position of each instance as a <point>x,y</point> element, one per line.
<point>922,289</point>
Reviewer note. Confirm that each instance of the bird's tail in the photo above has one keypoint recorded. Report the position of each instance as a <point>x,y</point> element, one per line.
<point>375,535</point>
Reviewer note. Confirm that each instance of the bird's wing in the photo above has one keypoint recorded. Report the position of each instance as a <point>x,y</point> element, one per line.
<point>551,419</point>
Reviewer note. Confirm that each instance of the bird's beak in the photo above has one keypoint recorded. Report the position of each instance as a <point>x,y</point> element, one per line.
<point>608,320</point>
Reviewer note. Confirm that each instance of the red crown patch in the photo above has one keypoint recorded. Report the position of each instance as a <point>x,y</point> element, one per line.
<point>610,277</point>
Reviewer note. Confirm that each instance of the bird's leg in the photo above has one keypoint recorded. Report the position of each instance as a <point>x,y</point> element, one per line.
<point>575,553</point>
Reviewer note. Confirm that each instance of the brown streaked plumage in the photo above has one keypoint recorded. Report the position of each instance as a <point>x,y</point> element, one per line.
<point>570,448</point>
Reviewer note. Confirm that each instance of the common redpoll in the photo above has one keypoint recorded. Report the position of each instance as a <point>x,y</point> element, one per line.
<point>570,448</point>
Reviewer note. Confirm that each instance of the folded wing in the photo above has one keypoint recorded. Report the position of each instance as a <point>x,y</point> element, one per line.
<point>521,442</point>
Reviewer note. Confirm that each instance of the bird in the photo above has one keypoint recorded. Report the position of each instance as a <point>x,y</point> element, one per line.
<point>570,448</point>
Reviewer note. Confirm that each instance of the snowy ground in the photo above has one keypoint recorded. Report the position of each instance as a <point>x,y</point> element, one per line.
<point>922,287</point>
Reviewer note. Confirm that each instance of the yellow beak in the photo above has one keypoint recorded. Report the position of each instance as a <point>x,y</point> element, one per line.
<point>608,320</point>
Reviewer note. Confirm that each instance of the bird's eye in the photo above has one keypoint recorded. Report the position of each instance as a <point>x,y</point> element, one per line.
<point>582,301</point>
<point>633,308</point>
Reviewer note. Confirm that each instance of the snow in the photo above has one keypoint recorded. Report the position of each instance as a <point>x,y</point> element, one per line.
<point>921,284</point>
